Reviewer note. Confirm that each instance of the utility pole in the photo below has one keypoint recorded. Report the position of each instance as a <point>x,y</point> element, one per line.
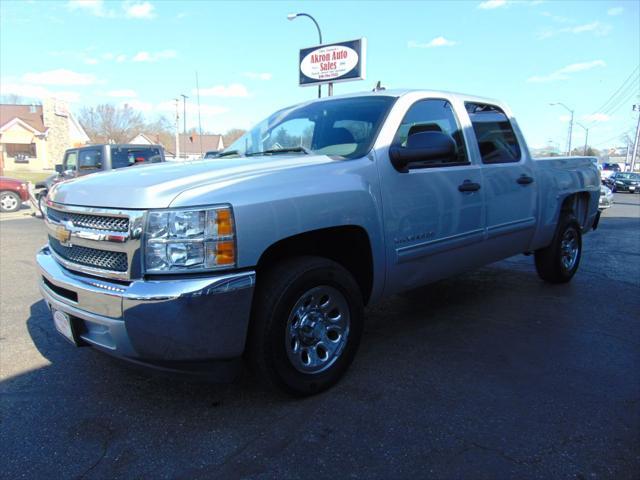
<point>184,112</point>
<point>570,110</point>
<point>177,130</point>
<point>586,137</point>
<point>636,108</point>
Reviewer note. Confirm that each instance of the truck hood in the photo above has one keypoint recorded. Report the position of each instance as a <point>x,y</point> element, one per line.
<point>157,185</point>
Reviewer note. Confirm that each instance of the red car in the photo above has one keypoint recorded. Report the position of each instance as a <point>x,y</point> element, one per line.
<point>12,193</point>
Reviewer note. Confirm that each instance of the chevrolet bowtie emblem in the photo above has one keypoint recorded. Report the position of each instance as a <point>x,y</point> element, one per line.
<point>63,234</point>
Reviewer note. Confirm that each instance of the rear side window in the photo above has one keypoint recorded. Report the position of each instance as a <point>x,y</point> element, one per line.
<point>127,156</point>
<point>90,159</point>
<point>496,139</point>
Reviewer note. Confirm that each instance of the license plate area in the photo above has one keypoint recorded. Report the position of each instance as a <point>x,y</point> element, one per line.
<point>64,325</point>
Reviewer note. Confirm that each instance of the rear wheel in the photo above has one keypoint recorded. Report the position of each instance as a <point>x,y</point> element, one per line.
<point>306,325</point>
<point>559,262</point>
<point>10,201</point>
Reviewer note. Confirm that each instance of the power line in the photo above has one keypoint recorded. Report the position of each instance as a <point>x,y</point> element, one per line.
<point>619,88</point>
<point>626,97</point>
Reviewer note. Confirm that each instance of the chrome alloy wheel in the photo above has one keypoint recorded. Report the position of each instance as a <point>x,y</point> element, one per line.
<point>8,202</point>
<point>317,329</point>
<point>569,249</point>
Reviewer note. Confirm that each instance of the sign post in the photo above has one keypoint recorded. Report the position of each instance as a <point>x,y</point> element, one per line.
<point>332,63</point>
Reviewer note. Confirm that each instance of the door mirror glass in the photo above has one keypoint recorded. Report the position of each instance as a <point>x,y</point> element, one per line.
<point>59,168</point>
<point>423,149</point>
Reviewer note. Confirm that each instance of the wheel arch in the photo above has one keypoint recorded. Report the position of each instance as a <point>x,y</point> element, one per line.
<point>348,245</point>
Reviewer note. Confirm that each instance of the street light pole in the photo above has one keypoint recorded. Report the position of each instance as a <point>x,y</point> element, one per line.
<point>570,124</point>
<point>293,16</point>
<point>184,112</point>
<point>586,137</point>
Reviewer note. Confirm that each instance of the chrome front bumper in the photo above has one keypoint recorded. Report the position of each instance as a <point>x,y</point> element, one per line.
<point>153,321</point>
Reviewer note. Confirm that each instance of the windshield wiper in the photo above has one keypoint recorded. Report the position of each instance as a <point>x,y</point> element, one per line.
<point>275,151</point>
<point>226,154</point>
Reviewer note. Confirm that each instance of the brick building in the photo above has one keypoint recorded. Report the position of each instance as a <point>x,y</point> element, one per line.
<point>34,137</point>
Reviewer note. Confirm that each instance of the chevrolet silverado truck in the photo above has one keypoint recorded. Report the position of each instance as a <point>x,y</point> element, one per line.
<point>269,253</point>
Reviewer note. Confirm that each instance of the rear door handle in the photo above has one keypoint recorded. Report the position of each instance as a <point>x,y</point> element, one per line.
<point>524,180</point>
<point>469,186</point>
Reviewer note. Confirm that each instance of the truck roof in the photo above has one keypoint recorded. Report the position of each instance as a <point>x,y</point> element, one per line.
<point>406,91</point>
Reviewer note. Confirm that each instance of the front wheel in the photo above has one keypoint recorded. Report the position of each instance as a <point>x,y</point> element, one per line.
<point>10,201</point>
<point>42,202</point>
<point>559,262</point>
<point>306,325</point>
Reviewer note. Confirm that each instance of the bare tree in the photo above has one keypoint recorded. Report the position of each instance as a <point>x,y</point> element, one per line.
<point>107,123</point>
<point>232,135</point>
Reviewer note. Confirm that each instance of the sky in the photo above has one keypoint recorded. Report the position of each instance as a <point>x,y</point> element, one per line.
<point>528,53</point>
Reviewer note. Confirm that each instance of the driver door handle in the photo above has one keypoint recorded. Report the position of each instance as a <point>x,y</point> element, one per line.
<point>524,179</point>
<point>469,186</point>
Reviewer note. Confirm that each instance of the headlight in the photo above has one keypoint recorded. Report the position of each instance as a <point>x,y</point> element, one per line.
<point>189,240</point>
<point>619,182</point>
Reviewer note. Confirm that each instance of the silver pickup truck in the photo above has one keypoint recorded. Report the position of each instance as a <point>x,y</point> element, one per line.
<point>269,252</point>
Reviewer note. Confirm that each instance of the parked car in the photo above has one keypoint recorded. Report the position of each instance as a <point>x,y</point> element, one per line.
<point>606,198</point>
<point>625,182</point>
<point>270,251</point>
<point>13,193</point>
<point>211,154</point>
<point>82,161</point>
<point>609,169</point>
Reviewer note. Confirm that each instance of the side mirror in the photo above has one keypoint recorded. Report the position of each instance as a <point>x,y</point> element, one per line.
<point>423,147</point>
<point>59,168</point>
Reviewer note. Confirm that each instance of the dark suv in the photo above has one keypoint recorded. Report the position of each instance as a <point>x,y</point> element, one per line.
<point>97,158</point>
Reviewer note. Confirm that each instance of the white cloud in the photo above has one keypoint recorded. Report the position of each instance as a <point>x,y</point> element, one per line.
<point>436,42</point>
<point>563,73</point>
<point>121,58</point>
<point>154,57</point>
<point>596,28</point>
<point>491,4</point>
<point>37,91</point>
<point>232,90</point>
<point>139,10</point>
<point>615,11</point>
<point>596,117</point>
<point>258,76</point>
<point>90,61</point>
<point>93,7</point>
<point>124,93</point>
<point>59,77</point>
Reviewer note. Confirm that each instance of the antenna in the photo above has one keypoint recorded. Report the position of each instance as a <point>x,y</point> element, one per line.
<point>199,117</point>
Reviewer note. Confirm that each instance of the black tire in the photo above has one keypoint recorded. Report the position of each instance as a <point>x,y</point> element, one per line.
<point>10,201</point>
<point>278,291</point>
<point>42,197</point>
<point>552,262</point>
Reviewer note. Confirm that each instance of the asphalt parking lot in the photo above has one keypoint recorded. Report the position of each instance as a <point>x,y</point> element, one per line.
<point>492,374</point>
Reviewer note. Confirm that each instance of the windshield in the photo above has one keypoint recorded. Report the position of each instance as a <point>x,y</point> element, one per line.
<point>628,176</point>
<point>343,127</point>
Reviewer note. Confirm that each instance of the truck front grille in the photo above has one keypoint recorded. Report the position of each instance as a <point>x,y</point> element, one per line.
<point>91,257</point>
<point>91,222</point>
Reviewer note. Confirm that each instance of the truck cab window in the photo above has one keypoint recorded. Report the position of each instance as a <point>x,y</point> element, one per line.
<point>90,159</point>
<point>433,115</point>
<point>497,141</point>
<point>125,157</point>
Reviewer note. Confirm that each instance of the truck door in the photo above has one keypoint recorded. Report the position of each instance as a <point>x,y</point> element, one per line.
<point>433,208</point>
<point>509,184</point>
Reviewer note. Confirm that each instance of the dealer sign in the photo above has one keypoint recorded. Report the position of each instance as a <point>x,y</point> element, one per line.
<point>337,62</point>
